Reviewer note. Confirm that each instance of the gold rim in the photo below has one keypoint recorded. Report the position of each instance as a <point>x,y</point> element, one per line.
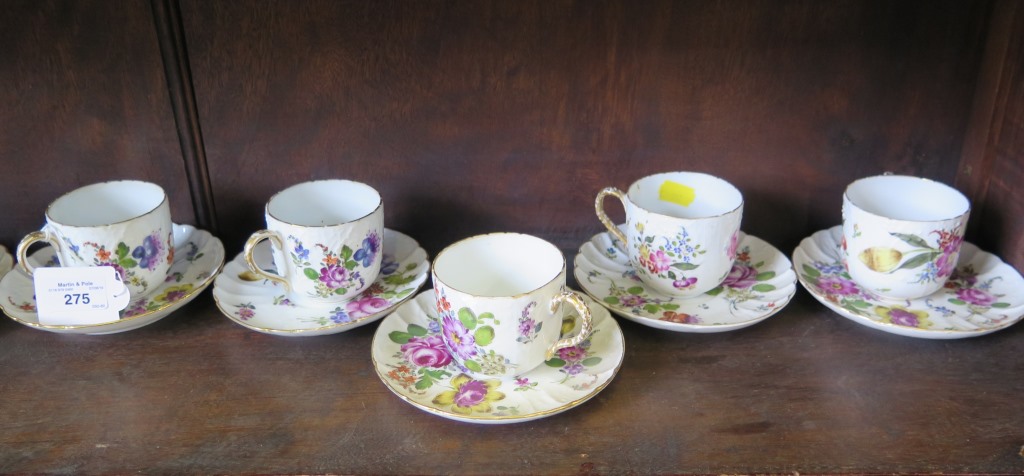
<point>523,418</point>
<point>858,318</point>
<point>163,201</point>
<point>641,319</point>
<point>855,317</point>
<point>846,197</point>
<point>564,407</point>
<point>180,302</point>
<point>561,273</point>
<point>629,197</point>
<point>294,332</point>
<point>380,203</point>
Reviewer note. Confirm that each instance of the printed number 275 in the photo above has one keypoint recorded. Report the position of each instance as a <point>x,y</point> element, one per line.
<point>72,299</point>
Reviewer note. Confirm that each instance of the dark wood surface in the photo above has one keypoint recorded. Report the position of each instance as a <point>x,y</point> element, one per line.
<point>992,165</point>
<point>804,391</point>
<point>82,100</point>
<point>477,116</point>
<point>473,117</point>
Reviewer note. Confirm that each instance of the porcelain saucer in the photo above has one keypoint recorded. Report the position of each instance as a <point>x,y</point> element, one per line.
<point>263,305</point>
<point>6,261</point>
<point>198,256</point>
<point>982,296</point>
<point>414,363</point>
<point>760,284</point>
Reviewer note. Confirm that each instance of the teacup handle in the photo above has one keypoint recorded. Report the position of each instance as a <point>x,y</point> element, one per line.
<point>599,208</point>
<point>581,308</point>
<point>29,240</point>
<point>276,244</point>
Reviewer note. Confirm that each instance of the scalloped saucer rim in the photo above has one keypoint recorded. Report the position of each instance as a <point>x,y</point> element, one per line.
<point>914,310</point>
<point>384,355</point>
<point>415,261</point>
<point>211,248</point>
<point>783,284</point>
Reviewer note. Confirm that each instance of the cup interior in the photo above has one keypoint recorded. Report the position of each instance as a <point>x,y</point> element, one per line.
<point>903,197</point>
<point>106,203</point>
<point>499,264</point>
<point>685,195</point>
<point>324,203</point>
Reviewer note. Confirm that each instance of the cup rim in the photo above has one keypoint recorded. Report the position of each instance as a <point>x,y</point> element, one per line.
<point>966,212</point>
<point>49,208</point>
<point>561,271</point>
<point>380,203</point>
<point>629,191</point>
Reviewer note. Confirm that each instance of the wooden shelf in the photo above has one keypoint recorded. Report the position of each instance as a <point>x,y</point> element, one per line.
<point>804,391</point>
<point>478,116</point>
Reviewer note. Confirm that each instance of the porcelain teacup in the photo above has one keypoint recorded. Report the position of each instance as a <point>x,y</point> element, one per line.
<point>125,224</point>
<point>326,240</point>
<point>681,232</point>
<point>902,234</point>
<point>498,298</point>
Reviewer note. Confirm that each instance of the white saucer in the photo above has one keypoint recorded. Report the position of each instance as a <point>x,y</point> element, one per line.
<point>198,256</point>
<point>764,282</point>
<point>554,387</point>
<point>263,305</point>
<point>982,296</point>
<point>6,261</point>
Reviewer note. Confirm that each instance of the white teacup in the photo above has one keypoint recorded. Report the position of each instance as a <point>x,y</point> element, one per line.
<point>682,230</point>
<point>326,238</point>
<point>498,297</point>
<point>124,224</point>
<point>902,235</point>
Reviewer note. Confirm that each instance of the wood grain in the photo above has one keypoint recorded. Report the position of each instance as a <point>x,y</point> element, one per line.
<point>174,53</point>
<point>992,164</point>
<point>473,117</point>
<point>83,100</point>
<point>805,391</point>
<point>476,116</point>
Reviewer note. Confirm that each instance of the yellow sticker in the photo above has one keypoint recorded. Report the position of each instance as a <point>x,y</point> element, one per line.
<point>676,193</point>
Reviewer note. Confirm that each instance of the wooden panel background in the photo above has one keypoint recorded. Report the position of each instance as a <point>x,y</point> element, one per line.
<point>84,100</point>
<point>473,117</point>
<point>992,166</point>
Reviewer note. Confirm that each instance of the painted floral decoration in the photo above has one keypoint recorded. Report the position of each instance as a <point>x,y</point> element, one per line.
<point>670,259</point>
<point>936,262</point>
<point>529,328</point>
<point>338,271</point>
<point>425,365</point>
<point>573,361</point>
<point>127,260</point>
<point>427,351</point>
<point>745,282</point>
<point>366,305</point>
<point>679,318</point>
<point>390,288</point>
<point>168,295</point>
<point>636,298</point>
<point>467,333</point>
<point>734,244</point>
<point>963,297</point>
<point>901,316</point>
<point>469,395</point>
<point>24,306</point>
<point>747,288</point>
<point>245,311</point>
<point>173,293</point>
